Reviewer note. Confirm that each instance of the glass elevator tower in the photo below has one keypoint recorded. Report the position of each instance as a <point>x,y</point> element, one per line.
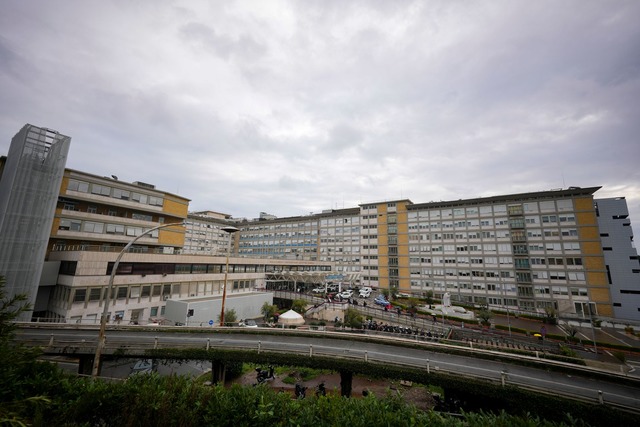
<point>29,188</point>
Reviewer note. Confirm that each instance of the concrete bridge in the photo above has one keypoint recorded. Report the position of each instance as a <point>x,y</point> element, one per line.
<point>360,350</point>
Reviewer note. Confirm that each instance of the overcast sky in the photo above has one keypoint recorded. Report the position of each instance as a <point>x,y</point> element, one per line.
<point>292,107</point>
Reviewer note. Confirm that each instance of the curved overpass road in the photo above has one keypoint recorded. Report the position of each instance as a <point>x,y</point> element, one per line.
<point>579,384</point>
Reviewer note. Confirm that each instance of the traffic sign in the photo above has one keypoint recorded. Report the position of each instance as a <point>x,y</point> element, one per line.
<point>210,322</point>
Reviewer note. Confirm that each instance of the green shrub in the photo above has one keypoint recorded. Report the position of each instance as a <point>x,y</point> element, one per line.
<point>566,351</point>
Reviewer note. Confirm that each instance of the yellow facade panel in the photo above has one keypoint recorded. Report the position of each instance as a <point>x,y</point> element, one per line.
<point>176,208</point>
<point>596,278</point>
<point>589,233</point>
<point>591,248</point>
<point>171,237</point>
<point>586,218</point>
<point>600,295</point>
<point>605,310</point>
<point>584,204</point>
<point>594,263</point>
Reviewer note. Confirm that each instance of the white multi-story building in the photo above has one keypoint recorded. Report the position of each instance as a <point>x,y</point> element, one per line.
<point>527,252</point>
<point>204,234</point>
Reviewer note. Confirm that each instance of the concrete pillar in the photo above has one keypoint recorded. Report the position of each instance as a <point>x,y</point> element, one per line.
<point>85,365</point>
<point>346,381</point>
<point>217,372</point>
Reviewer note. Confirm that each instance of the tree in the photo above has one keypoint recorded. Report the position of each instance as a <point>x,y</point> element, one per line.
<point>572,331</point>
<point>15,362</point>
<point>485,315</point>
<point>230,317</point>
<point>268,311</point>
<point>299,306</point>
<point>386,293</point>
<point>412,304</point>
<point>353,318</point>
<point>429,298</point>
<point>550,316</point>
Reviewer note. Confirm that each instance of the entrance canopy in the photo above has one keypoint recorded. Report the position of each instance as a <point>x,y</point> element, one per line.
<point>314,277</point>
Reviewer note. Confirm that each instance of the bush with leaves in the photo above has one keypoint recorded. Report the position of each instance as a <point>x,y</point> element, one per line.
<point>230,317</point>
<point>352,318</point>
<point>299,306</point>
<point>268,311</point>
<point>485,316</point>
<point>20,400</point>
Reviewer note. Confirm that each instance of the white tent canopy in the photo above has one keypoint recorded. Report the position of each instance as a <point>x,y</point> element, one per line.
<point>290,318</point>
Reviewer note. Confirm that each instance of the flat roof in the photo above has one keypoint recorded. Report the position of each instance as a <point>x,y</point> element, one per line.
<point>548,194</point>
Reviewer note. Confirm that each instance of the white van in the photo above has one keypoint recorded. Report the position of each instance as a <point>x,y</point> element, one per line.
<point>365,292</point>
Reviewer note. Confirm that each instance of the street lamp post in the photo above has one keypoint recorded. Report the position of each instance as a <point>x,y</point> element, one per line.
<point>230,230</point>
<point>506,304</point>
<point>593,329</point>
<point>107,297</point>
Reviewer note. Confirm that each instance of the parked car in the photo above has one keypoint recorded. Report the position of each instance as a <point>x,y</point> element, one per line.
<point>346,294</point>
<point>365,292</point>
<point>249,323</point>
<point>332,288</point>
<point>318,290</point>
<point>144,366</point>
<point>381,300</point>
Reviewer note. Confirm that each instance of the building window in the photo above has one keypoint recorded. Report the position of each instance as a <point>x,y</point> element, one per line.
<point>120,194</point>
<point>80,186</point>
<point>101,190</point>
<point>95,294</point>
<point>80,295</point>
<point>93,227</point>
<point>122,292</point>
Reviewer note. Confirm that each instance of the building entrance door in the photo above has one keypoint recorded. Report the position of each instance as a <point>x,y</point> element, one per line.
<point>136,316</point>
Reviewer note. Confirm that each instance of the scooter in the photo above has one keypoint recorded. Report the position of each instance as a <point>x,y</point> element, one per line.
<point>301,391</point>
<point>264,375</point>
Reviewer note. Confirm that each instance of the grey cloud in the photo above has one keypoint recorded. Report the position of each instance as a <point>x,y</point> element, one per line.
<point>300,106</point>
<point>342,137</point>
<point>222,45</point>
